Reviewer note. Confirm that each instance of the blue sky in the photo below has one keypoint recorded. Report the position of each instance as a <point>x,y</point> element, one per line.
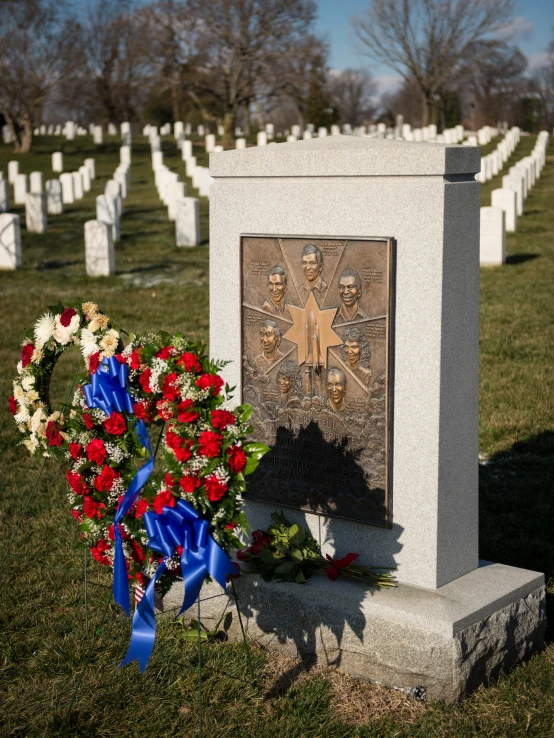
<point>533,28</point>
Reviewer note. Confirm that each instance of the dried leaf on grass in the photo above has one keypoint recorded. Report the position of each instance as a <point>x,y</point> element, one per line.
<point>353,700</point>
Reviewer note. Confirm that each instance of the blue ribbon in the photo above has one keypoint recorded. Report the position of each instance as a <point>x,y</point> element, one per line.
<point>108,391</point>
<point>176,526</point>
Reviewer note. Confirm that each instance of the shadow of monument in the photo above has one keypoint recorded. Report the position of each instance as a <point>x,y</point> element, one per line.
<point>520,258</point>
<point>517,509</point>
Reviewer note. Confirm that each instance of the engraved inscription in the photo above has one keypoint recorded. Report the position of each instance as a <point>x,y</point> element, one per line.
<point>315,370</point>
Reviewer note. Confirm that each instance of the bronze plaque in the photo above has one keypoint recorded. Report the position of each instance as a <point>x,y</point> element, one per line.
<point>316,318</point>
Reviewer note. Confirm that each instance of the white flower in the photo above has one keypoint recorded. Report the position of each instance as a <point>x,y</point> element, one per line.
<point>38,418</point>
<point>90,309</point>
<point>22,416</point>
<point>44,329</point>
<point>88,343</point>
<point>63,334</point>
<point>31,396</point>
<point>28,382</point>
<point>99,321</point>
<point>18,393</point>
<point>37,356</point>
<point>31,443</point>
<point>109,343</point>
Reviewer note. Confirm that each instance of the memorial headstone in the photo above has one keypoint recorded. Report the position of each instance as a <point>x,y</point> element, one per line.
<point>68,195</point>
<point>36,179</point>
<point>21,188</point>
<point>57,161</point>
<point>492,249</point>
<point>107,212</point>
<point>177,191</point>
<point>99,249</point>
<point>360,357</point>
<point>186,150</point>
<point>54,199</point>
<point>506,200</point>
<point>210,143</point>
<point>91,165</point>
<point>240,143</point>
<point>261,138</point>
<point>187,221</point>
<point>35,212</point>
<point>10,241</point>
<point>85,178</point>
<point>4,196</point>
<point>98,135</point>
<point>78,193</point>
<point>13,171</point>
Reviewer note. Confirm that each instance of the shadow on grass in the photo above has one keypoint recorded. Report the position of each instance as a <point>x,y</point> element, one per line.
<point>517,509</point>
<point>520,258</point>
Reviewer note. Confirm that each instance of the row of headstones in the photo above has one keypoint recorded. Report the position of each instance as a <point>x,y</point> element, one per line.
<point>39,200</point>
<point>102,234</point>
<point>185,211</point>
<point>494,162</point>
<point>70,130</point>
<point>507,203</point>
<point>38,205</point>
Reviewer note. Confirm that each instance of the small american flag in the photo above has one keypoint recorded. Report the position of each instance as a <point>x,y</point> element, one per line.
<point>139,593</point>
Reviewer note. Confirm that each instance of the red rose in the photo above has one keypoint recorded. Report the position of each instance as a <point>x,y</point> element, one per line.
<point>214,488</point>
<point>65,317</point>
<point>164,409</point>
<point>96,451</point>
<point>180,446</point>
<point>243,555</point>
<point>141,507</point>
<point>230,526</point>
<point>139,409</point>
<point>76,483</point>
<point>104,481</point>
<point>163,499</point>
<point>222,418</point>
<point>121,359</point>
<point>169,480</point>
<point>135,359</point>
<point>169,390</point>
<point>92,509</point>
<point>237,459</point>
<point>98,552</point>
<point>13,405</point>
<point>89,422</point>
<point>144,380</point>
<point>209,444</point>
<point>115,424</point>
<point>53,435</point>
<point>137,552</point>
<point>75,451</point>
<point>205,381</point>
<point>26,353</point>
<point>165,352</point>
<point>77,515</point>
<point>94,362</point>
<point>189,483</point>
<point>185,414</point>
<point>190,363</point>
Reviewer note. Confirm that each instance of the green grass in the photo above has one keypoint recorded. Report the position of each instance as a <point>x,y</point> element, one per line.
<point>43,636</point>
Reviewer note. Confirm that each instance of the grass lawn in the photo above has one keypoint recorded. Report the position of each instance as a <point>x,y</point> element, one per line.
<point>46,632</point>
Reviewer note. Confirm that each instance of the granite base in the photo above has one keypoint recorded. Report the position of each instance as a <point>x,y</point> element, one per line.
<point>447,641</point>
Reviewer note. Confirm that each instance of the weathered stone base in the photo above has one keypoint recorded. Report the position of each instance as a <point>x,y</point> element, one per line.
<point>449,640</point>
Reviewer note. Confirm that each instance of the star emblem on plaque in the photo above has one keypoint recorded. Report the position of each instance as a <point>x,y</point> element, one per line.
<point>316,318</point>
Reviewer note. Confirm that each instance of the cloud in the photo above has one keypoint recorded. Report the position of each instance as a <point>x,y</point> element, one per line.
<point>387,83</point>
<point>537,60</point>
<point>518,28</point>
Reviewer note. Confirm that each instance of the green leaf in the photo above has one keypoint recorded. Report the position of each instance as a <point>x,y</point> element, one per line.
<point>297,534</point>
<point>300,578</point>
<point>245,412</point>
<point>285,568</point>
<point>296,554</point>
<point>255,450</point>
<point>251,466</point>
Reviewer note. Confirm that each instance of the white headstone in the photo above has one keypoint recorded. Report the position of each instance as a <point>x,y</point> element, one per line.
<point>13,171</point>
<point>85,178</point>
<point>125,154</point>
<point>186,150</point>
<point>121,177</point>
<point>515,182</point>
<point>291,138</point>
<point>178,129</point>
<point>99,249</point>
<point>70,130</point>
<point>36,182</point>
<point>200,130</point>
<point>270,130</point>
<point>307,135</point>
<point>10,241</point>
<point>54,199</point>
<point>492,248</point>
<point>187,221</point>
<point>113,189</point>
<point>321,132</point>
<point>35,212</point>
<point>296,131</point>
<point>177,191</point>
<point>57,161</point>
<point>218,149</point>
<point>506,200</point>
<point>210,143</point>
<point>190,165</point>
<point>335,130</point>
<point>107,212</point>
<point>91,165</point>
<point>261,138</point>
<point>158,159</point>
<point>21,188</point>
<point>98,135</point>
<point>240,143</point>
<point>78,193</point>
<point>68,195</point>
<point>4,196</point>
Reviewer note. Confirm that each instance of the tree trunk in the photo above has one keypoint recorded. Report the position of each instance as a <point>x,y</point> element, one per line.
<point>228,124</point>
<point>175,102</point>
<point>260,115</point>
<point>425,109</point>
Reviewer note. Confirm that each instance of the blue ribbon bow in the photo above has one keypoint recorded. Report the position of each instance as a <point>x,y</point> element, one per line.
<point>176,526</point>
<point>108,391</point>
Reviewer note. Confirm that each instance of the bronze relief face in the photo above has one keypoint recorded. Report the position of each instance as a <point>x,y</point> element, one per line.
<point>316,325</point>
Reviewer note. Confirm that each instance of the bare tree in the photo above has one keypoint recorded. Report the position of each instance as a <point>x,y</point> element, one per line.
<point>423,40</point>
<point>37,41</point>
<point>542,85</point>
<point>353,91</point>
<point>238,37</point>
